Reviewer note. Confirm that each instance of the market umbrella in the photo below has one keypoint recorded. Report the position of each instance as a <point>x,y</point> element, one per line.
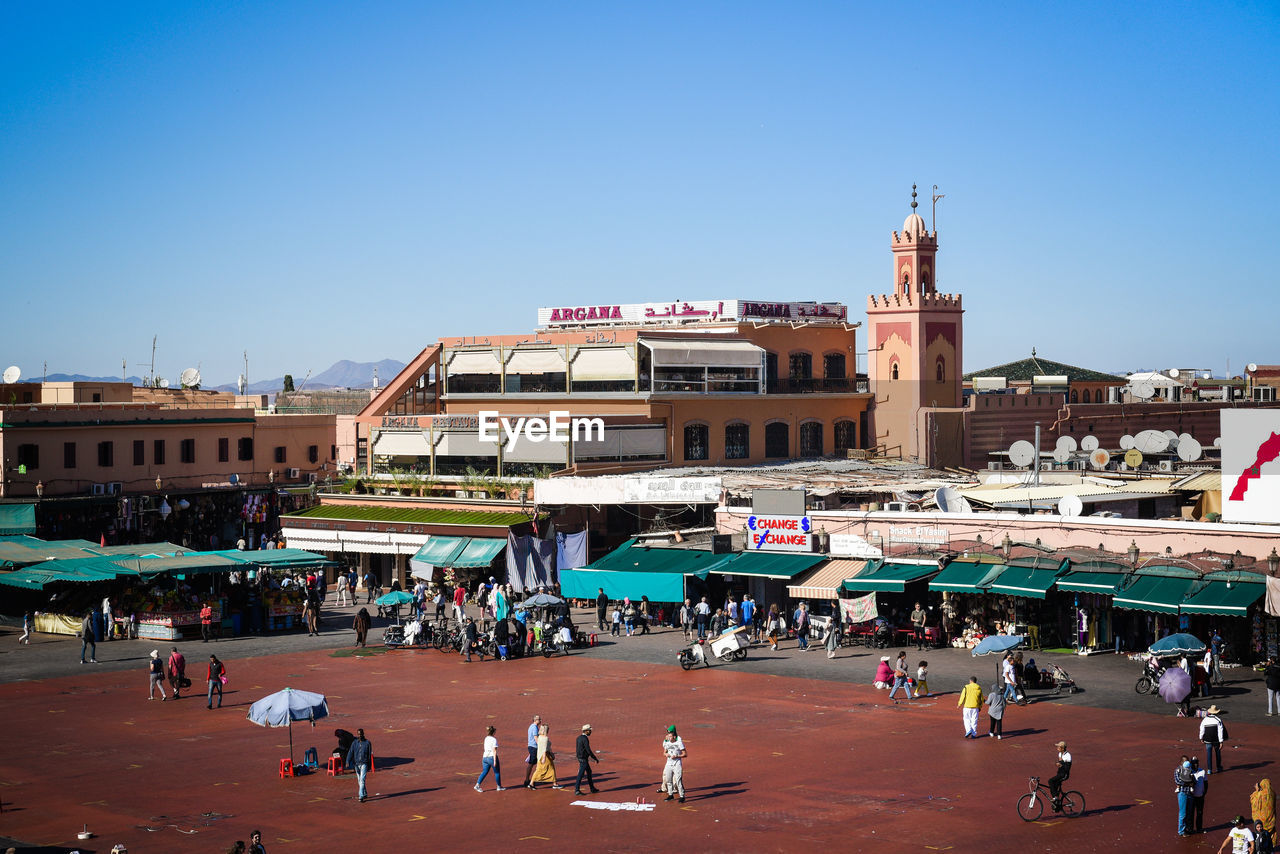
<point>540,600</point>
<point>997,645</point>
<point>1175,685</point>
<point>284,707</point>
<point>396,598</point>
<point>1179,644</point>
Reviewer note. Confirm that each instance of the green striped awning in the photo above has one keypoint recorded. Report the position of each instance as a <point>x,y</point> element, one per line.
<point>439,551</point>
<point>1157,593</point>
<point>965,576</point>
<point>17,519</point>
<point>889,577</point>
<point>1031,582</point>
<point>1091,582</point>
<point>479,551</point>
<point>1221,598</point>
<point>769,564</point>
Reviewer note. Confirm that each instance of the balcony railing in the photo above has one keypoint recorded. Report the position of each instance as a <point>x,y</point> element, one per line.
<point>817,385</point>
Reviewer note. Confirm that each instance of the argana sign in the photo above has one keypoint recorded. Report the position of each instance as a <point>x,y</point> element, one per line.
<point>704,311</point>
<point>1251,465</point>
<point>557,428</point>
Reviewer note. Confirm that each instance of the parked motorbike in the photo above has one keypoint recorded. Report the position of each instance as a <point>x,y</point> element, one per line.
<point>691,655</point>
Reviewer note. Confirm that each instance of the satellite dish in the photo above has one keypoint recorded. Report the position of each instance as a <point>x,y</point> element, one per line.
<point>1143,390</point>
<point>1133,458</point>
<point>1022,452</point>
<point>233,479</point>
<point>1173,372</point>
<point>1068,443</point>
<point>1126,442</point>
<point>949,500</point>
<point>1099,458</point>
<point>190,378</point>
<point>1061,454</point>
<point>1170,435</point>
<point>1252,367</point>
<point>162,382</point>
<point>1217,443</point>
<point>1089,443</point>
<point>1070,505</point>
<point>12,373</point>
<point>1151,442</point>
<point>1189,449</point>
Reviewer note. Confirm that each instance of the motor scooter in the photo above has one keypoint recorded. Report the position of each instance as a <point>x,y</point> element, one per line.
<point>691,655</point>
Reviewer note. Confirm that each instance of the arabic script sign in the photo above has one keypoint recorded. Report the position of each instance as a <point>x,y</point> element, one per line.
<point>703,311</point>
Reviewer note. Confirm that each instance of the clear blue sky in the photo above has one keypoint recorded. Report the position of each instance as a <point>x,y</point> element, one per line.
<point>316,181</point>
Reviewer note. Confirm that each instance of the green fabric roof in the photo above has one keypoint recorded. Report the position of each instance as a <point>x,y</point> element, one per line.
<point>17,519</point>
<point>768,564</point>
<point>629,557</point>
<point>189,563</point>
<point>1026,369</point>
<point>439,551</point>
<point>1216,598</point>
<point>1031,582</point>
<point>658,586</point>
<point>479,551</point>
<point>889,577</point>
<point>141,549</point>
<point>1090,582</point>
<point>1157,593</point>
<point>965,576</point>
<point>409,515</point>
<point>276,558</point>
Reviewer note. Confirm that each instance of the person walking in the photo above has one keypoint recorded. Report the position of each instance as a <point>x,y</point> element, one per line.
<point>532,761</point>
<point>774,625</point>
<point>995,713</point>
<point>748,611</point>
<point>644,615</point>
<point>489,760</point>
<point>584,754</point>
<point>255,838</point>
<point>801,620</point>
<point>309,614</point>
<point>87,639</point>
<point>1262,804</point>
<point>1271,675</point>
<point>1214,734</point>
<point>832,640</point>
<point>673,771</point>
<point>28,622</point>
<point>360,758</point>
<point>177,665</point>
<point>900,678</point>
<point>370,593</point>
<point>1240,838</point>
<point>361,624</point>
<point>918,620</point>
<point>342,590</point>
<point>922,680</point>
<point>1199,788</point>
<point>1264,841</point>
<point>545,769</point>
<point>969,703</point>
<point>1009,678</point>
<point>155,670</point>
<point>460,604</point>
<point>687,619</point>
<point>702,615</point>
<point>217,676</point>
<point>1184,785</point>
<point>602,605</point>
<point>470,639</point>
<point>629,615</point>
<point>206,622</point>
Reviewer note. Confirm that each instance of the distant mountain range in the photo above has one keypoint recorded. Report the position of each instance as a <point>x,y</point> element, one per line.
<point>342,374</point>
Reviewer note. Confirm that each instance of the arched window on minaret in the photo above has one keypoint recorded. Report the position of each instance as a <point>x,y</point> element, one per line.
<point>940,368</point>
<point>893,371</point>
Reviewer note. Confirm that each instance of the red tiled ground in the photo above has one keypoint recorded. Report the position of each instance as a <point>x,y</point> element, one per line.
<point>774,763</point>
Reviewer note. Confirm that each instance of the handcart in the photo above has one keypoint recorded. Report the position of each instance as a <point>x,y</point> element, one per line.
<point>731,646</point>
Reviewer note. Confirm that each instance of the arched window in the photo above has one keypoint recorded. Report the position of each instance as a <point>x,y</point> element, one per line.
<point>893,371</point>
<point>737,441</point>
<point>1086,395</point>
<point>811,439</point>
<point>770,372</point>
<point>1075,396</point>
<point>777,440</point>
<point>696,442</point>
<point>801,366</point>
<point>833,366</point>
<point>846,436</point>
<point>940,369</point>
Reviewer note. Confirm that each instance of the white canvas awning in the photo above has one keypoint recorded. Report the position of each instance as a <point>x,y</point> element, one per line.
<point>604,363</point>
<point>703,353</point>
<point>540,361</point>
<point>473,362</point>
<point>464,445</point>
<point>413,444</point>
<point>547,452</point>
<point>621,442</point>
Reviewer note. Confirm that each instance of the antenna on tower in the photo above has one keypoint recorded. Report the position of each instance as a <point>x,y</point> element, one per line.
<point>933,226</point>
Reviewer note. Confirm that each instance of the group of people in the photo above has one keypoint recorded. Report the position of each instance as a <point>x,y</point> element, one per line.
<point>174,671</point>
<point>540,763</point>
<point>896,678</point>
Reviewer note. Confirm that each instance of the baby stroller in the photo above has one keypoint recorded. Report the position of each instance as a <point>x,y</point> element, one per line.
<point>1062,680</point>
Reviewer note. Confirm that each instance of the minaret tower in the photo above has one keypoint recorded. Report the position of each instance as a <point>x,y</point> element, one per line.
<point>915,340</point>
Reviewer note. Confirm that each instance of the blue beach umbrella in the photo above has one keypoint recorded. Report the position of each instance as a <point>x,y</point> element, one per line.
<point>1180,644</point>
<point>284,707</point>
<point>997,645</point>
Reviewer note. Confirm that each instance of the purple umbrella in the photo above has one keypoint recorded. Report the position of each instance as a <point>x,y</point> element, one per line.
<point>1175,685</point>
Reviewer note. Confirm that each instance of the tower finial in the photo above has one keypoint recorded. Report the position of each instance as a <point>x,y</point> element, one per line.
<point>913,198</point>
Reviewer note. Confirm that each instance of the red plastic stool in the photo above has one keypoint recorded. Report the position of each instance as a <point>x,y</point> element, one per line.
<point>286,767</point>
<point>335,766</point>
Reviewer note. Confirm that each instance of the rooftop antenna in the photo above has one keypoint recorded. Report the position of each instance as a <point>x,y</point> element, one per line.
<point>375,376</point>
<point>44,377</point>
<point>150,379</point>
<point>246,371</point>
<point>936,196</point>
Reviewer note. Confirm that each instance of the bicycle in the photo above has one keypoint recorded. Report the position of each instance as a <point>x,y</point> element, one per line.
<point>1031,805</point>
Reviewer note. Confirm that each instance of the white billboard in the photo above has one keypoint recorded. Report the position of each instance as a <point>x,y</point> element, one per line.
<point>1251,465</point>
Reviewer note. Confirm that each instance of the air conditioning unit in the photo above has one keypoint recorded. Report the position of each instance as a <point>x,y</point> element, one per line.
<point>1166,465</point>
<point>896,506</point>
<point>99,489</point>
<point>115,487</point>
<point>993,467</point>
<point>311,477</point>
<point>292,474</point>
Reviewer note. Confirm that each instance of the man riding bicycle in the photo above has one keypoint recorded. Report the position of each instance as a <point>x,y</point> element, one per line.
<point>1062,775</point>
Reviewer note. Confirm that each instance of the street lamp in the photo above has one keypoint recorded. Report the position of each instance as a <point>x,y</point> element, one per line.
<point>271,475</point>
<point>1133,552</point>
<point>1273,561</point>
<point>1006,546</point>
<point>158,483</point>
<point>40,494</point>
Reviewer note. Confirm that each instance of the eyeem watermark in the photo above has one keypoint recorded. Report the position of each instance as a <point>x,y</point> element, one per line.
<point>558,428</point>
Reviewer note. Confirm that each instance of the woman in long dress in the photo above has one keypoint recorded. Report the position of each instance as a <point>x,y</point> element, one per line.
<point>545,770</point>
